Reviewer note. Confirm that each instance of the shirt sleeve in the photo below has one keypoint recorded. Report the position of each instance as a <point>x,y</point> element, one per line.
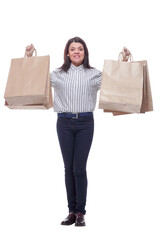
<point>53,78</point>
<point>99,78</point>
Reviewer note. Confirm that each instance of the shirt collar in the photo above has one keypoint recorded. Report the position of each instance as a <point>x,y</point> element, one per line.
<point>73,67</point>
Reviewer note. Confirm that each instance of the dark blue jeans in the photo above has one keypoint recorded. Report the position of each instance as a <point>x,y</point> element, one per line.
<point>75,139</point>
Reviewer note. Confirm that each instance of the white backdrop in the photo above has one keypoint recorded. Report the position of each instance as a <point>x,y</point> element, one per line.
<point>123,164</point>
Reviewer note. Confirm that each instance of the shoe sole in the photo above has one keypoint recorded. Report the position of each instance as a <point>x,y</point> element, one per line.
<point>66,224</point>
<point>80,225</point>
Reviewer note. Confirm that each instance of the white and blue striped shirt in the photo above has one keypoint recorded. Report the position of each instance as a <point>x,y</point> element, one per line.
<point>75,90</point>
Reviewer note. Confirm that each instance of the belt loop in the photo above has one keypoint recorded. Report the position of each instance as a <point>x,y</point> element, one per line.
<point>76,115</point>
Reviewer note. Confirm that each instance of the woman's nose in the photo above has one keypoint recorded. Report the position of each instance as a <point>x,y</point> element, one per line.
<point>77,51</point>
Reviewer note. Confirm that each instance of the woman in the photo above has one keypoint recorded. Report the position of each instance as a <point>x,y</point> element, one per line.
<point>75,86</point>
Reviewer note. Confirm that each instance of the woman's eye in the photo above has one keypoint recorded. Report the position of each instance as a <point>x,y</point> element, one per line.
<point>80,49</point>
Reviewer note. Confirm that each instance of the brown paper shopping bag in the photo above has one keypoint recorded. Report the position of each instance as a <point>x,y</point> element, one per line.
<point>28,85</point>
<point>125,87</point>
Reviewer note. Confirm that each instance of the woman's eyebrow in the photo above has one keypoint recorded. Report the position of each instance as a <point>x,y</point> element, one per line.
<point>78,47</point>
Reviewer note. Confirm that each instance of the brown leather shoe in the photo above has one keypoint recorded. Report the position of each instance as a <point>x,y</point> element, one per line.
<point>80,221</point>
<point>69,220</point>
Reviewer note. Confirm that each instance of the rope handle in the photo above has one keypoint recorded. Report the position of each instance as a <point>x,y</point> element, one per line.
<point>125,55</point>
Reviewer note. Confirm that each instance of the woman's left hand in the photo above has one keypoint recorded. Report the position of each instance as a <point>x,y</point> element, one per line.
<point>30,50</point>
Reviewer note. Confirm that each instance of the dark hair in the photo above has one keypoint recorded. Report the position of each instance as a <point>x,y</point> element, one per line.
<point>67,61</point>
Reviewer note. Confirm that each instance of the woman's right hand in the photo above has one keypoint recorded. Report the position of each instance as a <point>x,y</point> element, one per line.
<point>30,50</point>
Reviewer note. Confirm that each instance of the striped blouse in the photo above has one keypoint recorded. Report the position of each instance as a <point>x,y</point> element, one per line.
<point>75,90</point>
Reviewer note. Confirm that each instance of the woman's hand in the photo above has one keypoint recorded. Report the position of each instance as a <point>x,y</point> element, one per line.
<point>29,50</point>
<point>125,53</point>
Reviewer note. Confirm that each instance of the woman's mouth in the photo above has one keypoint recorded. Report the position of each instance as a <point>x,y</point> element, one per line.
<point>77,56</point>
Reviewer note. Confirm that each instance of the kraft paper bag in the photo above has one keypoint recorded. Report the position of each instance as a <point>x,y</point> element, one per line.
<point>28,85</point>
<point>125,87</point>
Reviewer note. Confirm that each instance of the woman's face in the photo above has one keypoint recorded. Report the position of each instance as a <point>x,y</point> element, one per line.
<point>76,53</point>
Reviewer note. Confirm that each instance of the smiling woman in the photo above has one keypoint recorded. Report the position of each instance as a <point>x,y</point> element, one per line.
<point>75,86</point>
